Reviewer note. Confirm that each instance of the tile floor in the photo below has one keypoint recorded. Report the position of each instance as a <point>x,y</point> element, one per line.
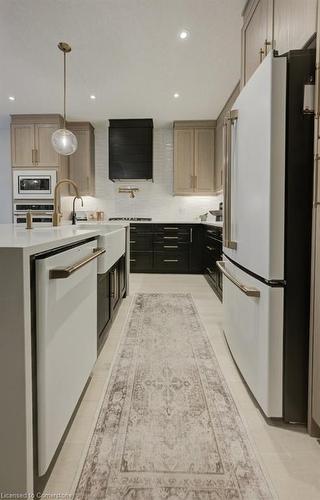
<point>289,457</point>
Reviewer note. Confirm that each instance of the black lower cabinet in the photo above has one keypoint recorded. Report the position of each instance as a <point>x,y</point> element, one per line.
<point>111,288</point>
<point>212,252</point>
<point>165,248</point>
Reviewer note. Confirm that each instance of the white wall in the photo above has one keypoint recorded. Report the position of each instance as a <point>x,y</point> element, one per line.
<point>5,177</point>
<point>155,198</point>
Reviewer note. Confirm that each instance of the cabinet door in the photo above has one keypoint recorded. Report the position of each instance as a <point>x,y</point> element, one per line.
<point>80,163</point>
<point>255,36</point>
<point>184,161</point>
<point>204,160</point>
<point>46,156</point>
<point>22,145</point>
<point>294,23</point>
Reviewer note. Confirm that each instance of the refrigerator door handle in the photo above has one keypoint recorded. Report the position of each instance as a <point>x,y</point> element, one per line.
<point>250,292</point>
<point>230,119</point>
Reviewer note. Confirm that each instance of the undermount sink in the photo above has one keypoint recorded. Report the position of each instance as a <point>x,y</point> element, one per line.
<point>113,239</point>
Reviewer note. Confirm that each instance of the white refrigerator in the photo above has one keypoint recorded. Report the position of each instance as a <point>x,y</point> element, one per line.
<point>261,183</point>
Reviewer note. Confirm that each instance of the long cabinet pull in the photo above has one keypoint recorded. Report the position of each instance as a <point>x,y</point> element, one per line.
<point>169,228</point>
<point>132,260</point>
<point>250,292</point>
<point>34,156</point>
<point>65,272</point>
<point>170,237</point>
<point>132,241</point>
<point>170,246</point>
<point>170,260</point>
<point>231,118</point>
<point>209,248</point>
<point>191,235</point>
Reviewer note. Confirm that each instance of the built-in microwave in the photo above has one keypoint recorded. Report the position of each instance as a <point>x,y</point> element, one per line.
<point>34,184</point>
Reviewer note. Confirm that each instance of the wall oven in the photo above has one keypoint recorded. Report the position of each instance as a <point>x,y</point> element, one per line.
<point>42,212</point>
<point>34,184</point>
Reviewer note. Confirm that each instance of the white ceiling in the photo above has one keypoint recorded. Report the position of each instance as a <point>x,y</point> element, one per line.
<point>126,52</point>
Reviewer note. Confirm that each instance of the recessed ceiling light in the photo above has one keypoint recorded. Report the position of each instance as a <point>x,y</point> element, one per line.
<point>184,34</point>
<point>92,97</point>
<point>176,95</point>
<point>12,98</point>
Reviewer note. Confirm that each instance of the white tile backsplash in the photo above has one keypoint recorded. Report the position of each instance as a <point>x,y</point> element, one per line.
<point>154,199</point>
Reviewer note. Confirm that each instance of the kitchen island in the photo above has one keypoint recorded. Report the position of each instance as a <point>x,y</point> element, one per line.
<point>18,248</point>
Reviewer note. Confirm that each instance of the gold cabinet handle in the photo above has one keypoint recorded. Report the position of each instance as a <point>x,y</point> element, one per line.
<point>191,181</point>
<point>250,292</point>
<point>65,272</point>
<point>261,54</point>
<point>195,181</point>
<point>37,156</point>
<point>34,156</point>
<point>266,45</point>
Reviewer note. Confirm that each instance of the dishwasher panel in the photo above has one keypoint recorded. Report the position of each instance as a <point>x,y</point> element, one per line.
<point>66,316</point>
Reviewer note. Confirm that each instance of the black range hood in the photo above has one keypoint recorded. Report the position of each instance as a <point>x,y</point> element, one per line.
<point>131,149</point>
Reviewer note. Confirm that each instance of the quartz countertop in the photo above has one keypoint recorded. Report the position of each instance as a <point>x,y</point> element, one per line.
<point>40,239</point>
<point>170,221</point>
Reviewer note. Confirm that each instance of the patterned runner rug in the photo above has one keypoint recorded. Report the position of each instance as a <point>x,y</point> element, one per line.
<point>168,428</point>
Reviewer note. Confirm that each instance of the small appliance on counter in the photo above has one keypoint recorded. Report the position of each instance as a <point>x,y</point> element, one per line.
<point>218,213</point>
<point>81,215</point>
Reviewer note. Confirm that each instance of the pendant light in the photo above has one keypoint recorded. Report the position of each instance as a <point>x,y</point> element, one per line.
<point>63,141</point>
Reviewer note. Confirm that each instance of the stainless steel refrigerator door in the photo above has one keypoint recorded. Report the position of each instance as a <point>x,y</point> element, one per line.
<point>255,172</point>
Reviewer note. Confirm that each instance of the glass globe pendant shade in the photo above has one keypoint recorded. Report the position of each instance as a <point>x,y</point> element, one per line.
<point>64,142</point>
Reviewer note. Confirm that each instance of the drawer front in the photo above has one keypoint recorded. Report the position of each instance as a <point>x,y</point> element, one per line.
<point>171,262</point>
<point>141,262</point>
<point>172,228</point>
<point>141,228</point>
<point>140,242</point>
<point>171,246</point>
<point>171,239</point>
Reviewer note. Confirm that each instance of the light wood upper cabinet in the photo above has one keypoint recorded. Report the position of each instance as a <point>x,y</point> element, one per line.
<point>81,163</point>
<point>46,156</point>
<point>280,24</point>
<point>193,157</point>
<point>31,141</point>
<point>204,159</point>
<point>256,35</point>
<point>294,23</point>
<point>183,161</point>
<point>22,145</point>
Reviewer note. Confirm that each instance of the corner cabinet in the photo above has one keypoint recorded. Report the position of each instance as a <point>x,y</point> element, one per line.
<point>81,163</point>
<point>193,157</point>
<point>31,141</point>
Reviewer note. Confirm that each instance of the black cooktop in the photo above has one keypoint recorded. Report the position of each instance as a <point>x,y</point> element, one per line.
<point>133,219</point>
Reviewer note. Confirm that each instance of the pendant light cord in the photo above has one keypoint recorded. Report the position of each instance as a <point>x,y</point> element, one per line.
<point>64,87</point>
